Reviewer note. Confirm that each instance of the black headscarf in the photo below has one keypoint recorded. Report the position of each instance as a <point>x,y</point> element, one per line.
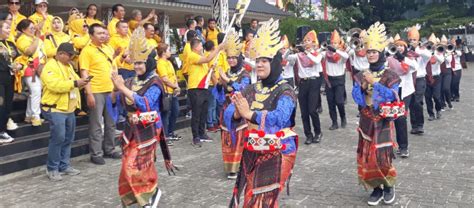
<point>150,66</point>
<point>380,64</point>
<point>275,71</point>
<point>240,64</point>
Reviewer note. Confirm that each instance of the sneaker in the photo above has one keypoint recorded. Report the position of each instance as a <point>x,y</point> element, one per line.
<point>414,131</point>
<point>334,126</point>
<point>169,142</point>
<point>376,197</point>
<point>36,122</point>
<point>206,138</point>
<point>309,140</point>
<point>114,155</point>
<point>197,142</point>
<point>438,115</point>
<point>442,109</point>
<point>450,106</point>
<point>317,138</point>
<point>232,176</point>
<point>404,153</point>
<point>388,195</point>
<point>173,138</point>
<point>5,138</point>
<point>177,137</point>
<point>11,125</point>
<point>71,171</point>
<point>98,160</point>
<point>431,118</point>
<point>54,175</point>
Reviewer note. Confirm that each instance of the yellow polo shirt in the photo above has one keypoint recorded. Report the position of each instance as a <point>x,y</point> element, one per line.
<point>48,24</point>
<point>112,27</point>
<point>211,35</point>
<point>197,72</point>
<point>90,21</point>
<point>100,65</point>
<point>184,58</point>
<point>17,19</point>
<point>58,38</point>
<point>152,42</point>
<point>117,42</point>
<point>165,70</point>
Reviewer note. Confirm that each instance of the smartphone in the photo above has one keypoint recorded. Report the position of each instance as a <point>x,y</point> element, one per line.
<point>89,78</point>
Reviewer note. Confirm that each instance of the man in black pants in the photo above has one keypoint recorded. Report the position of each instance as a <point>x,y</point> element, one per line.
<point>433,88</point>
<point>335,60</point>
<point>308,62</point>
<point>197,89</point>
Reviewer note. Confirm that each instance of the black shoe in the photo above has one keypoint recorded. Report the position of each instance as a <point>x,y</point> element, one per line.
<point>206,138</point>
<point>343,123</point>
<point>388,195</point>
<point>438,115</point>
<point>309,140</point>
<point>334,126</point>
<point>232,176</point>
<point>420,130</point>
<point>317,138</point>
<point>114,155</point>
<point>456,99</point>
<point>404,153</point>
<point>197,142</point>
<point>98,160</point>
<point>376,197</point>
<point>450,106</point>
<point>431,118</point>
<point>414,131</point>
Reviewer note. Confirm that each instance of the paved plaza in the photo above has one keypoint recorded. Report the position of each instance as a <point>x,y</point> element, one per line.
<point>438,173</point>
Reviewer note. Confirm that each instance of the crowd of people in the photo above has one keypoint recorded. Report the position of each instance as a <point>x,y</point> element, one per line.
<point>243,87</point>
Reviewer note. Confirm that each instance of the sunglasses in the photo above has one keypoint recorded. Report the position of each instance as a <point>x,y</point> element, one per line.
<point>14,3</point>
<point>42,5</point>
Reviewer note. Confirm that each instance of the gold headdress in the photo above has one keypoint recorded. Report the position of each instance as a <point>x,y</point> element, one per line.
<point>432,38</point>
<point>233,45</point>
<point>413,33</point>
<point>444,40</point>
<point>397,37</point>
<point>139,49</point>
<point>267,42</point>
<point>376,39</point>
<point>391,40</point>
<point>312,36</point>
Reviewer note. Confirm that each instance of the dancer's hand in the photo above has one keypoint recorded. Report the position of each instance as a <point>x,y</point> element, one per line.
<point>242,106</point>
<point>170,167</point>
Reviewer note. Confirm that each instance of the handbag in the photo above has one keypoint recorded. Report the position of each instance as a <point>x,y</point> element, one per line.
<point>393,109</point>
<point>167,98</point>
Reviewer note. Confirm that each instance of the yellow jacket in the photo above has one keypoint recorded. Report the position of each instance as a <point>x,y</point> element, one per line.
<point>58,86</point>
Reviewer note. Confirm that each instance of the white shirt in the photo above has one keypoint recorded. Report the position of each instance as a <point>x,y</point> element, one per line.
<point>423,60</point>
<point>359,62</point>
<point>457,58</point>
<point>306,72</point>
<point>436,68</point>
<point>337,69</point>
<point>406,83</point>
<point>288,70</point>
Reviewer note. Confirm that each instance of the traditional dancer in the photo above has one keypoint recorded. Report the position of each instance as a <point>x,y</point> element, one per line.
<point>373,88</point>
<point>235,80</point>
<point>269,108</point>
<point>141,97</point>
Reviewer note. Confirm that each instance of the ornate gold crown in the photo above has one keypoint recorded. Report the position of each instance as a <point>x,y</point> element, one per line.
<point>139,49</point>
<point>233,45</point>
<point>267,42</point>
<point>376,39</point>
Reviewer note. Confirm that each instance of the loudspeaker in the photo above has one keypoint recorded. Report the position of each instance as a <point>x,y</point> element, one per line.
<point>301,32</point>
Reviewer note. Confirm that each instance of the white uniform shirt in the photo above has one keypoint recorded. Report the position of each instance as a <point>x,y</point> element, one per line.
<point>406,83</point>
<point>306,72</point>
<point>436,68</point>
<point>457,58</point>
<point>337,69</point>
<point>288,70</point>
<point>359,63</point>
<point>423,60</point>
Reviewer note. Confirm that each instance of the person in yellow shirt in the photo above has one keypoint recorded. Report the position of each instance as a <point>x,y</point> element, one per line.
<point>197,88</point>
<point>32,58</point>
<point>187,50</point>
<point>118,10</point>
<point>137,19</point>
<point>149,34</point>
<point>210,34</point>
<point>14,10</point>
<point>41,18</point>
<point>120,43</point>
<point>97,63</point>
<point>57,36</point>
<point>60,99</point>
<point>168,75</point>
<point>91,15</point>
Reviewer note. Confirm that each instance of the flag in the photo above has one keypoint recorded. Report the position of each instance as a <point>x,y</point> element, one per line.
<point>240,9</point>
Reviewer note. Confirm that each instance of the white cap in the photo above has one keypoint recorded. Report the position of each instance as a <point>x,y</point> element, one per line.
<point>41,1</point>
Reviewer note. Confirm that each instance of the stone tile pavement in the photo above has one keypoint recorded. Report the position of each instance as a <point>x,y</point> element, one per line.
<point>439,172</point>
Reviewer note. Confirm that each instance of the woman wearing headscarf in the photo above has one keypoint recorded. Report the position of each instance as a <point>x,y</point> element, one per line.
<point>268,107</point>
<point>374,88</point>
<point>57,36</point>
<point>235,80</point>
<point>141,97</point>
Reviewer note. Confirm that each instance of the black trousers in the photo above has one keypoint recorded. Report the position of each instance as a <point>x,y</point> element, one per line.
<point>433,93</point>
<point>401,125</point>
<point>417,119</point>
<point>199,104</point>
<point>6,103</point>
<point>335,97</point>
<point>309,99</point>
<point>455,82</point>
<point>446,88</point>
